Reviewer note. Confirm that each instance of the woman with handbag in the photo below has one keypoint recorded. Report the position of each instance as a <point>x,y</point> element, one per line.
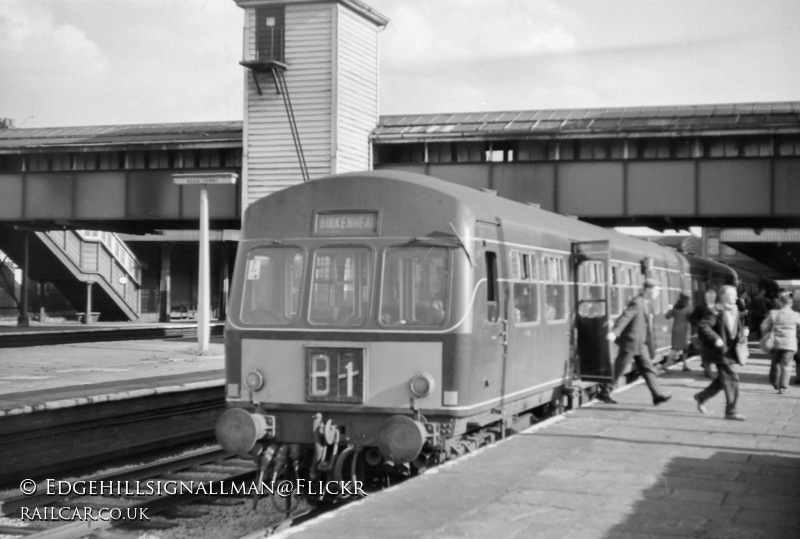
<point>784,323</point>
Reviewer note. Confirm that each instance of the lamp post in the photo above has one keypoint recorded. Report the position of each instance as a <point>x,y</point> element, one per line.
<point>204,272</point>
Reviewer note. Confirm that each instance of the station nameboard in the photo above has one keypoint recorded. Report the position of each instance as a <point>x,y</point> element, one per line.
<point>210,178</point>
<point>346,223</point>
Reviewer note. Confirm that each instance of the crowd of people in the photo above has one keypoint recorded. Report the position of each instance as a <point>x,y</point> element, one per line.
<point>718,330</point>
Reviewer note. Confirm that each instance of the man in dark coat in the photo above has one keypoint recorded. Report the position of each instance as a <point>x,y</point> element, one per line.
<point>633,333</point>
<point>719,332</point>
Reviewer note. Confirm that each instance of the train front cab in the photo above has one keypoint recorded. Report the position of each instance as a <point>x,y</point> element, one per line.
<point>365,324</point>
<point>329,354</point>
<point>360,324</point>
<point>347,319</point>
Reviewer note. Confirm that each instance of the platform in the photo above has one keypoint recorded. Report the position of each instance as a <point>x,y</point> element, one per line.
<point>102,401</point>
<point>56,376</point>
<point>623,471</point>
<point>13,336</point>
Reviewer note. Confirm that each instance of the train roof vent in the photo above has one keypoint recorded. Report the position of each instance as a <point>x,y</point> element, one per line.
<point>488,191</point>
<point>533,205</point>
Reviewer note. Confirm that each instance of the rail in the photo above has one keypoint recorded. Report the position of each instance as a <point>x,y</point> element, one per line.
<point>237,471</point>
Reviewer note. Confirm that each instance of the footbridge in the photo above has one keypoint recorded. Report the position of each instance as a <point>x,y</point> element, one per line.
<point>721,166</point>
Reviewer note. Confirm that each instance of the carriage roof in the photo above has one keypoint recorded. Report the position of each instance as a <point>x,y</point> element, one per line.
<point>419,193</point>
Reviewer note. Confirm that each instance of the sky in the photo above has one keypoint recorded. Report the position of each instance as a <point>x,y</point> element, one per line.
<point>100,62</point>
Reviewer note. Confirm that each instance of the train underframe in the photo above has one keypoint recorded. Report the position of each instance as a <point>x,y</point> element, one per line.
<point>333,454</point>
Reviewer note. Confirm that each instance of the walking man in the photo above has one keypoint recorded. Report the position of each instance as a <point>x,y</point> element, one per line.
<point>633,333</point>
<point>719,332</point>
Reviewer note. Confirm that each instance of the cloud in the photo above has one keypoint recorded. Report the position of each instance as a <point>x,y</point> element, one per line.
<point>456,30</point>
<point>101,62</point>
<point>509,55</point>
<point>29,36</point>
<point>131,61</point>
<point>19,24</point>
<point>48,66</point>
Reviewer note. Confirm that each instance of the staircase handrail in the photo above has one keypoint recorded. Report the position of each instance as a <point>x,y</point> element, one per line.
<point>127,296</point>
<point>127,259</point>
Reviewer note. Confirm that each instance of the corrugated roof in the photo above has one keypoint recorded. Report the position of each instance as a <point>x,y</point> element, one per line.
<point>115,135</point>
<point>784,116</point>
<point>670,119</point>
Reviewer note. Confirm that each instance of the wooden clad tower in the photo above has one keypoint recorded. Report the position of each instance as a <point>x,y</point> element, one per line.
<point>311,92</point>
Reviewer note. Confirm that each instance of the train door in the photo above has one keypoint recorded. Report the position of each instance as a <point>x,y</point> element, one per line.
<point>491,344</point>
<point>591,266</point>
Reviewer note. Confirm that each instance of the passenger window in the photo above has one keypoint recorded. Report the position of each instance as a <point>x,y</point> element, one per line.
<point>272,287</point>
<point>664,298</point>
<point>616,294</point>
<point>630,285</point>
<point>555,289</point>
<point>696,291</point>
<point>591,278</point>
<point>525,292</point>
<point>516,265</point>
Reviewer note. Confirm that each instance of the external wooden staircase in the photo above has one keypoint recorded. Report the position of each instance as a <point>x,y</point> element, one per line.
<point>71,259</point>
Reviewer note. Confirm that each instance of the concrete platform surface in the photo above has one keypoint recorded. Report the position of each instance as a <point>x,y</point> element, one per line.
<point>10,327</point>
<point>45,376</point>
<point>623,471</point>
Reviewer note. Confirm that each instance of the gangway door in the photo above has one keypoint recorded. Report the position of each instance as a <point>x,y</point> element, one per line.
<point>591,271</point>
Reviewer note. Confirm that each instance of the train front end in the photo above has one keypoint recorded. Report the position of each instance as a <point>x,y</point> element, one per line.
<point>340,316</point>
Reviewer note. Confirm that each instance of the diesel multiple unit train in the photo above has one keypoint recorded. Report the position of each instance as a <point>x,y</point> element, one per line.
<point>379,319</point>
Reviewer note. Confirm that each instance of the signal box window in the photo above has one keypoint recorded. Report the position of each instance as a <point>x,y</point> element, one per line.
<point>555,289</point>
<point>270,33</point>
<point>341,286</point>
<point>525,288</point>
<point>415,286</point>
<point>273,281</point>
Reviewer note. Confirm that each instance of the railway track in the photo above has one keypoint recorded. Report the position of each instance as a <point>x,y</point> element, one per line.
<point>173,484</point>
<point>466,445</point>
<point>199,475</point>
<point>182,511</point>
<point>202,470</point>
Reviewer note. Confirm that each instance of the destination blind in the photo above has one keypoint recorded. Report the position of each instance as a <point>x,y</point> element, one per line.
<point>346,224</point>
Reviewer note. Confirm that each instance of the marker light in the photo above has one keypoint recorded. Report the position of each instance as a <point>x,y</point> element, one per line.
<point>422,385</point>
<point>254,380</point>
